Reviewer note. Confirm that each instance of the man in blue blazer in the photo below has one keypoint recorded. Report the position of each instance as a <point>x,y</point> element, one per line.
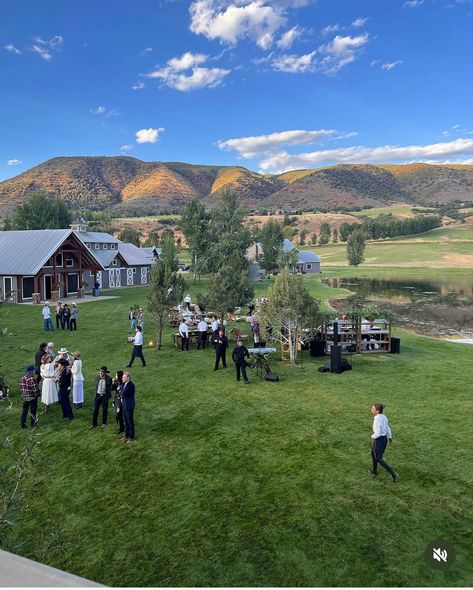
<point>128,405</point>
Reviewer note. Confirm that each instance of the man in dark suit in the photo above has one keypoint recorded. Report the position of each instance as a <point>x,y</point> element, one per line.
<point>64,380</point>
<point>239,356</point>
<point>103,392</point>
<point>128,405</point>
<point>220,343</point>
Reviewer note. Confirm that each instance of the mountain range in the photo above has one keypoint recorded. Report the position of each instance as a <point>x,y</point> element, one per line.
<point>132,185</point>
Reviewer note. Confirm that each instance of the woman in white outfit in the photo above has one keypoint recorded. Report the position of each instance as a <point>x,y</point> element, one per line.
<point>49,389</point>
<point>77,380</point>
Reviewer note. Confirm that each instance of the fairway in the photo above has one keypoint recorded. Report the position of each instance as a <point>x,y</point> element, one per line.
<point>234,485</point>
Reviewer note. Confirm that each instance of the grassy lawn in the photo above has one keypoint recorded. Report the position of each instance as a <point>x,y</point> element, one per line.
<point>234,485</point>
<point>401,210</point>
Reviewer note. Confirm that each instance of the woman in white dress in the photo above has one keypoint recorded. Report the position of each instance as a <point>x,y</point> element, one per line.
<point>77,380</point>
<point>49,389</point>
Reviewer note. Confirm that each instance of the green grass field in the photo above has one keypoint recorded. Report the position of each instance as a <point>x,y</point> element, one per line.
<point>234,485</point>
<point>447,247</point>
<point>402,210</point>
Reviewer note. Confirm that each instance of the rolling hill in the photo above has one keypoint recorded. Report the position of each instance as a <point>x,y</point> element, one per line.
<point>131,185</point>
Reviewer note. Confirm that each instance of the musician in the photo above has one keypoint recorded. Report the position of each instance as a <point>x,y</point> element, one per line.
<point>220,343</point>
<point>240,353</point>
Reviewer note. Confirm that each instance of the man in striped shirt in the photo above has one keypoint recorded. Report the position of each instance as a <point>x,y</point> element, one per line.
<point>379,440</point>
<point>29,396</point>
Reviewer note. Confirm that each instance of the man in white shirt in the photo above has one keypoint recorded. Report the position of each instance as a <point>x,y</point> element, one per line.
<point>137,348</point>
<point>48,323</point>
<point>379,440</point>
<point>202,329</point>
<point>184,333</point>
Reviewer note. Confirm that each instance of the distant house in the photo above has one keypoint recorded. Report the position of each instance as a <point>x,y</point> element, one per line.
<point>307,261</point>
<point>154,253</point>
<point>36,263</point>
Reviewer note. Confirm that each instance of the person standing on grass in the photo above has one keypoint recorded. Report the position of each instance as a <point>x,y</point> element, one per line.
<point>29,396</point>
<point>128,404</point>
<point>64,380</point>
<point>38,360</point>
<point>140,319</point>
<point>77,380</point>
<point>59,315</point>
<point>202,337</point>
<point>117,386</point>
<point>73,320</point>
<point>132,318</point>
<point>239,356</point>
<point>49,387</point>
<point>103,392</point>
<point>221,343</point>
<point>137,348</point>
<point>48,323</point>
<point>66,317</point>
<point>379,440</point>
<point>184,333</point>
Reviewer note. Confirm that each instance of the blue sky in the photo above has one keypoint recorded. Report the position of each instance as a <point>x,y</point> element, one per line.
<point>271,85</point>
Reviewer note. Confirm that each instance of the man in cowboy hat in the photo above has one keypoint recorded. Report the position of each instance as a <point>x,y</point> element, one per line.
<point>63,354</point>
<point>103,392</point>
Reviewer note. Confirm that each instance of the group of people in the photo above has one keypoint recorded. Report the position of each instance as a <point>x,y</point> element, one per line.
<point>66,317</point>
<point>137,318</point>
<point>54,376</point>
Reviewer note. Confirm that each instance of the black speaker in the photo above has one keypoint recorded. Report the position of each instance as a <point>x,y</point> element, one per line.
<point>395,345</point>
<point>317,348</point>
<point>336,359</point>
<point>271,377</point>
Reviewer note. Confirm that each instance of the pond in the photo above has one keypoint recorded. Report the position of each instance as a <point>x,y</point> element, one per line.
<point>440,306</point>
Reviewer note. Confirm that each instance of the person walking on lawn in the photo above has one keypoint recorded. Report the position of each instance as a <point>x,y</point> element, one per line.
<point>48,323</point>
<point>220,343</point>
<point>103,392</point>
<point>137,348</point>
<point>379,440</point>
<point>29,396</point>
<point>240,353</point>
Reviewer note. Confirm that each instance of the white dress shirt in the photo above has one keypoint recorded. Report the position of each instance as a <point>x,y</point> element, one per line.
<point>381,427</point>
<point>46,312</point>
<point>202,326</point>
<point>215,326</point>
<point>138,340</point>
<point>183,329</point>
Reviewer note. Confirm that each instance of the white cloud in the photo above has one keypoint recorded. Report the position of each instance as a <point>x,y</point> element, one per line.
<point>294,64</point>
<point>187,60</point>
<point>459,149</point>
<point>340,52</point>
<point>232,22</point>
<point>12,49</point>
<point>329,29</point>
<point>287,39</point>
<point>176,73</point>
<point>413,3</point>
<point>147,50</point>
<point>251,147</point>
<point>392,65</point>
<point>138,86</point>
<point>126,148</point>
<point>148,135</point>
<point>44,48</point>
<point>41,51</point>
<point>102,110</point>
<point>359,22</point>
<point>374,62</point>
<point>14,162</point>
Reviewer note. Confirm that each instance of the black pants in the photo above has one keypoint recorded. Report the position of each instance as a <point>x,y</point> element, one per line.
<point>119,415</point>
<point>241,368</point>
<point>202,341</point>
<point>137,352</point>
<point>65,323</point>
<point>378,446</point>
<point>184,343</point>
<point>73,324</point>
<point>100,400</point>
<point>63,395</point>
<point>32,406</point>
<point>220,354</point>
<point>58,321</point>
<point>129,423</point>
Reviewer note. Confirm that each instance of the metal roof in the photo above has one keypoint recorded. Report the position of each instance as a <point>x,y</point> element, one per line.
<point>133,256</point>
<point>104,257</point>
<point>25,252</point>
<point>287,245</point>
<point>95,236</point>
<point>307,256</point>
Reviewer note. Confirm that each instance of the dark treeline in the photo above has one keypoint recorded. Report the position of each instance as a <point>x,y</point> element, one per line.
<point>376,230</point>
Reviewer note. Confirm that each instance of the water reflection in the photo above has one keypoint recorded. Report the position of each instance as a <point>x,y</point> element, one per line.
<point>440,306</point>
